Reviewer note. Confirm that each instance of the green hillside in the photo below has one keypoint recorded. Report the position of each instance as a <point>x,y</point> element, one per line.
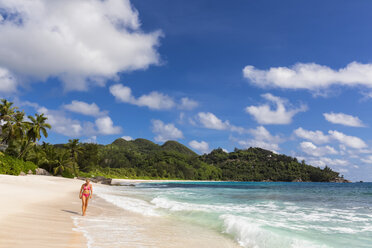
<point>139,158</point>
<point>147,146</point>
<point>177,147</point>
<point>138,145</point>
<point>257,164</point>
<point>142,158</point>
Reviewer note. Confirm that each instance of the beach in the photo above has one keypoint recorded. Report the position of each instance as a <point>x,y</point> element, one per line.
<point>45,211</point>
<point>36,211</point>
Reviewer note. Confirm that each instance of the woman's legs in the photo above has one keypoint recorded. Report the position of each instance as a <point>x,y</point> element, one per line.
<point>83,206</point>
<point>85,200</point>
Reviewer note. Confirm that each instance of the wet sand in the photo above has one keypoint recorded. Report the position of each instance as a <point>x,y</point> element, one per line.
<point>107,225</point>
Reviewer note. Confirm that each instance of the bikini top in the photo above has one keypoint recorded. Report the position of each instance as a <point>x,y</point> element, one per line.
<point>86,187</point>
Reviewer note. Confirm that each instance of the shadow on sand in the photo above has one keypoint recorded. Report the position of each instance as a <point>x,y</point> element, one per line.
<point>71,212</point>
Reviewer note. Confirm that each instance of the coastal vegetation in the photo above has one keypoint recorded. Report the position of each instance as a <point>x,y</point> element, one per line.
<point>13,166</point>
<point>138,158</point>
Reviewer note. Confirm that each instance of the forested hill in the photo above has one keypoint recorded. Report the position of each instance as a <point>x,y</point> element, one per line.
<point>257,164</point>
<point>147,146</point>
<point>142,158</point>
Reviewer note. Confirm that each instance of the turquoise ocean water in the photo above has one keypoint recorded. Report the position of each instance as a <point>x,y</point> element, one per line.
<point>258,214</point>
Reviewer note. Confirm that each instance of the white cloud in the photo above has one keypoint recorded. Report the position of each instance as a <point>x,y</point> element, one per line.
<point>367,159</point>
<point>209,120</point>
<point>362,151</point>
<point>310,76</point>
<point>8,82</point>
<point>122,93</point>
<point>165,131</point>
<point>201,146</point>
<point>127,138</point>
<point>84,108</point>
<point>318,137</point>
<point>343,119</point>
<point>261,144</point>
<point>366,95</point>
<point>62,124</point>
<point>343,170</point>
<point>313,150</point>
<point>263,139</point>
<point>337,162</point>
<point>92,140</point>
<point>350,141</point>
<point>181,118</point>
<point>192,121</point>
<point>106,126</point>
<point>74,128</point>
<point>188,104</point>
<point>80,42</point>
<point>323,161</point>
<point>263,134</point>
<point>154,100</point>
<point>237,129</point>
<point>263,114</point>
<point>66,126</point>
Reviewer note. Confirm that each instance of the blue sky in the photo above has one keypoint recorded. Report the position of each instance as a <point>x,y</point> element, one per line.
<point>294,77</point>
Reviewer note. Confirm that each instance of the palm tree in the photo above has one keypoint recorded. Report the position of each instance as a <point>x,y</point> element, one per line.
<point>6,118</point>
<point>6,110</point>
<point>15,128</point>
<point>37,126</point>
<point>50,155</point>
<point>62,163</point>
<point>75,149</point>
<point>38,156</point>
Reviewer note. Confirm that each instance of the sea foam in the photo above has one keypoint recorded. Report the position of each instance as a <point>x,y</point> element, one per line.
<point>251,235</point>
<point>258,215</point>
<point>128,203</point>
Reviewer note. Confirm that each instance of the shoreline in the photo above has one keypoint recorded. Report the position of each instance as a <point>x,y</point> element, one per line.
<point>45,211</point>
<point>127,181</point>
<point>38,210</point>
<point>131,228</point>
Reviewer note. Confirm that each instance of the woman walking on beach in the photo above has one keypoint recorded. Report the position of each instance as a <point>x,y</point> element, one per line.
<point>86,192</point>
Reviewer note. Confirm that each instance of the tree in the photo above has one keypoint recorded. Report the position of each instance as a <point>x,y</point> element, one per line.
<point>38,156</point>
<point>88,160</point>
<point>37,126</point>
<point>75,150</point>
<point>6,110</point>
<point>50,156</point>
<point>6,119</point>
<point>62,163</point>
<point>14,129</point>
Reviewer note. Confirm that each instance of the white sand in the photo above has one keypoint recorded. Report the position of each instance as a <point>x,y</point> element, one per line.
<point>35,211</point>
